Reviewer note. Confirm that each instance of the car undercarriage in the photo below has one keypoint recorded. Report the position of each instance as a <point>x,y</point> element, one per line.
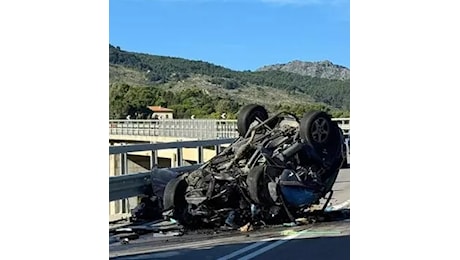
<point>275,171</point>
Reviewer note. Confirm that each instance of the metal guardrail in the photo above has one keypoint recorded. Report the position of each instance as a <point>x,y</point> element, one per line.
<point>160,146</point>
<point>188,128</point>
<point>130,185</point>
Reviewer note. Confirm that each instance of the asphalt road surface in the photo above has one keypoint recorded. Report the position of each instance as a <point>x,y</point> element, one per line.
<point>322,240</point>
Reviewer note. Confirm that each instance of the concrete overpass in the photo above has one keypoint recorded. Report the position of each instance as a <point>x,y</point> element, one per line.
<point>163,131</point>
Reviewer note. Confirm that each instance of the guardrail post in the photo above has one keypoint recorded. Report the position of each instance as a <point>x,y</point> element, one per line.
<point>200,155</point>
<point>123,171</point>
<point>179,157</point>
<point>123,164</point>
<point>150,128</point>
<point>154,159</point>
<point>218,149</point>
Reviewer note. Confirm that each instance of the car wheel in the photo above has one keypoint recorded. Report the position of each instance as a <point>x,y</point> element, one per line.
<point>174,194</point>
<point>247,115</point>
<point>318,130</point>
<point>258,186</point>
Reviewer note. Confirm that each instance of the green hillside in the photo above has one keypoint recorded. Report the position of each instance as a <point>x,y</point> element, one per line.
<point>206,90</point>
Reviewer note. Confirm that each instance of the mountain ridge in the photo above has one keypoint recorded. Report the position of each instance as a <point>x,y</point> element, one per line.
<point>321,69</point>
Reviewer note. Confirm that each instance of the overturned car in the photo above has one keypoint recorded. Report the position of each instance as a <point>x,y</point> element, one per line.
<point>275,171</point>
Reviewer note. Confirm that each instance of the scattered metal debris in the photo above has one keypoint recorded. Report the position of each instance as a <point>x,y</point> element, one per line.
<point>168,234</point>
<point>343,205</point>
<point>246,228</point>
<point>149,208</point>
<point>158,227</point>
<point>123,238</point>
<point>288,232</point>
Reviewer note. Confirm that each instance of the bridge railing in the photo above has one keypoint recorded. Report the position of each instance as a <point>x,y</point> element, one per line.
<point>188,128</point>
<point>185,128</point>
<point>344,124</point>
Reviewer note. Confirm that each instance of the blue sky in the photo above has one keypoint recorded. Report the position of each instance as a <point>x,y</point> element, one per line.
<point>237,34</point>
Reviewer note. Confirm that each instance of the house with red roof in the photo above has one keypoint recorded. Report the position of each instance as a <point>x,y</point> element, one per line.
<point>160,112</point>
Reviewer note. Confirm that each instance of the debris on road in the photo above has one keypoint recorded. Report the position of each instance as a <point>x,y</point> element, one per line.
<point>302,221</point>
<point>123,237</point>
<point>288,232</point>
<point>158,227</point>
<point>168,234</point>
<point>246,228</point>
<point>343,205</point>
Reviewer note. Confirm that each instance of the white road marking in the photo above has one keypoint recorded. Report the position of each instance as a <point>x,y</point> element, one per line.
<point>258,244</point>
<point>242,250</point>
<point>271,246</point>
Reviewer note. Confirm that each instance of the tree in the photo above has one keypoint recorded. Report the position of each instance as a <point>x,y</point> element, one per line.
<point>118,107</point>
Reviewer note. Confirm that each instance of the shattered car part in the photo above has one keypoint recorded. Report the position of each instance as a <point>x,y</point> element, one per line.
<point>150,208</point>
<point>341,206</point>
<point>159,227</point>
<point>278,167</point>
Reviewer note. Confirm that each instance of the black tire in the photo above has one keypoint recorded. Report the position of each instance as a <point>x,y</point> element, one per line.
<point>174,194</point>
<point>247,115</point>
<point>257,186</point>
<point>316,128</point>
<point>324,135</point>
